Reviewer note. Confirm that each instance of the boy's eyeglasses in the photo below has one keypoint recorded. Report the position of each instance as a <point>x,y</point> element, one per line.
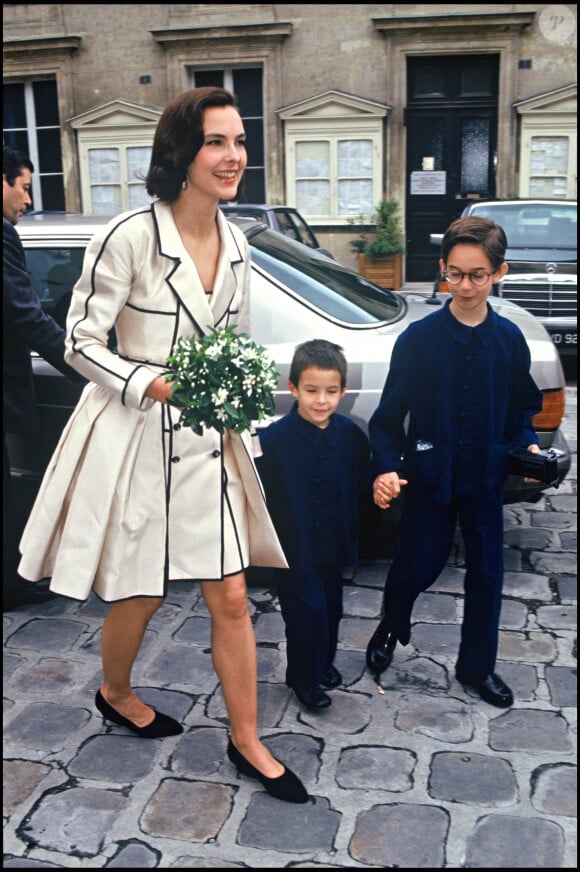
<point>455,276</point>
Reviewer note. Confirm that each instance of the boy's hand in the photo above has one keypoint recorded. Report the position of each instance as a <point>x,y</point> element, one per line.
<point>533,449</point>
<point>387,487</point>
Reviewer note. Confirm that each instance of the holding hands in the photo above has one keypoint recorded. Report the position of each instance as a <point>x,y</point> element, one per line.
<point>387,487</point>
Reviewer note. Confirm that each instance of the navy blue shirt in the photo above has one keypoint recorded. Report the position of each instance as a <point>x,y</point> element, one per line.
<point>469,398</point>
<point>314,479</point>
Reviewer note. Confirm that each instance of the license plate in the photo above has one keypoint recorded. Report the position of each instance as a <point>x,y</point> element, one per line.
<point>565,339</point>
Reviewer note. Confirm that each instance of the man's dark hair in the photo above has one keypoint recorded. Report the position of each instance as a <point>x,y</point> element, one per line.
<point>178,138</point>
<point>474,230</point>
<point>320,353</point>
<point>13,162</point>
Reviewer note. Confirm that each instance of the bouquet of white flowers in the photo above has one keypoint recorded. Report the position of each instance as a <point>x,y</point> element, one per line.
<point>222,381</point>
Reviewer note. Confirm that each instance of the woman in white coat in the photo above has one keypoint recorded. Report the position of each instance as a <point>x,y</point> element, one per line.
<point>131,499</point>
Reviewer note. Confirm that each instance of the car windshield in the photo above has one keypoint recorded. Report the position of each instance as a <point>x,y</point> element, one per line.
<point>326,284</point>
<point>529,225</point>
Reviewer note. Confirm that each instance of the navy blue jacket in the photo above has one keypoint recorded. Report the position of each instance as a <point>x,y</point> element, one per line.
<point>468,394</point>
<point>25,326</point>
<point>314,480</point>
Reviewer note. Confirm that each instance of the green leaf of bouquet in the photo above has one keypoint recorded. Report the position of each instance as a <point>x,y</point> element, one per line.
<point>232,411</point>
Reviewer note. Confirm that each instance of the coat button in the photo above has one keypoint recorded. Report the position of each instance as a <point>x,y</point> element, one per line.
<point>175,459</point>
<point>177,426</point>
<point>215,453</point>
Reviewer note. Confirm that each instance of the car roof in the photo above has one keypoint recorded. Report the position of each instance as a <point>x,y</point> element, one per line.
<point>261,207</point>
<point>507,201</point>
<point>63,218</point>
<point>74,225</point>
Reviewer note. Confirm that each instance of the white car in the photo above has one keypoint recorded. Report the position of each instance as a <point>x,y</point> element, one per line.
<point>296,294</point>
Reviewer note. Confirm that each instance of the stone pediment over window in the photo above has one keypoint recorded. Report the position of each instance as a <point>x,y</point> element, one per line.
<point>256,33</point>
<point>334,104</point>
<point>117,113</point>
<point>32,46</point>
<point>432,26</point>
<point>561,100</point>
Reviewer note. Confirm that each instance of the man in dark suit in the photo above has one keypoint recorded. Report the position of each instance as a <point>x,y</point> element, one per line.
<point>26,327</point>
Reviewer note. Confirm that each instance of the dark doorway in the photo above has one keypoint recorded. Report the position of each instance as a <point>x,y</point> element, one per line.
<point>451,147</point>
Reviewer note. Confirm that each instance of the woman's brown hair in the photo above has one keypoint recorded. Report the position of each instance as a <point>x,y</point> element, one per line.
<point>178,138</point>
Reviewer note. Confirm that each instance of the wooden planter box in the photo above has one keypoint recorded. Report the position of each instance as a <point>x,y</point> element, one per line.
<point>386,272</point>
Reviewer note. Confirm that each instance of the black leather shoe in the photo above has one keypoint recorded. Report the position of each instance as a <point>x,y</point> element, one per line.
<point>313,698</point>
<point>287,786</point>
<point>380,649</point>
<point>162,725</point>
<point>331,678</point>
<point>491,688</point>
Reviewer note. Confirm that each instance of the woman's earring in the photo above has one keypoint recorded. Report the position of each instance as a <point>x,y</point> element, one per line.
<point>184,184</point>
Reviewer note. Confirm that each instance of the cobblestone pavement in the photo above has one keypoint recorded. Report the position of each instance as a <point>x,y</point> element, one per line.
<point>422,775</point>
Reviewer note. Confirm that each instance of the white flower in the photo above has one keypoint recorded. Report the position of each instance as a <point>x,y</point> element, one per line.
<point>222,381</point>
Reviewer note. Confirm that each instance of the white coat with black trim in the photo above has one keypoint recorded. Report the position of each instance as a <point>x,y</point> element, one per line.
<point>130,499</point>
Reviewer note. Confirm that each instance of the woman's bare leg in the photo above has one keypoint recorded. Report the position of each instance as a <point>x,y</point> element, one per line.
<point>233,649</point>
<point>121,638</point>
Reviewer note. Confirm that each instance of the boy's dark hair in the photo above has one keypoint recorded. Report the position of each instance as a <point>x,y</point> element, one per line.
<point>13,162</point>
<point>475,230</point>
<point>178,138</point>
<point>317,352</point>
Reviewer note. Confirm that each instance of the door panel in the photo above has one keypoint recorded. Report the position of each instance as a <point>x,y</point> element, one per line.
<point>451,146</point>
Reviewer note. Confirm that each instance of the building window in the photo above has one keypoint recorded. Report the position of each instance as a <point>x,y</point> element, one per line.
<point>31,124</point>
<point>334,156</point>
<point>115,142</point>
<point>334,177</point>
<point>116,178</point>
<point>548,136</point>
<point>246,83</point>
<point>549,160</point>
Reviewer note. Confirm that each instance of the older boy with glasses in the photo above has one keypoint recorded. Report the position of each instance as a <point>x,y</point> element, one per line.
<point>458,396</point>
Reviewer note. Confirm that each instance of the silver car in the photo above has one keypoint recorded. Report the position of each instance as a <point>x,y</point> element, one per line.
<point>296,294</point>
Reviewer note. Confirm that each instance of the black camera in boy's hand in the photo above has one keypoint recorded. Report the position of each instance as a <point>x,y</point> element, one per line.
<point>541,467</point>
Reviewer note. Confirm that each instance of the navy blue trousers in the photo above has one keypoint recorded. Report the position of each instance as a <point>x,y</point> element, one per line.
<point>311,606</point>
<point>427,532</point>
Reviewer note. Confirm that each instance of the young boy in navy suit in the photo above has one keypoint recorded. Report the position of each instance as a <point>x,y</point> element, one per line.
<point>458,396</point>
<point>315,468</point>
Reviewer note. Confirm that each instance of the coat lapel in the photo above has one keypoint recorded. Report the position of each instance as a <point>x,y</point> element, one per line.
<point>228,275</point>
<point>182,276</point>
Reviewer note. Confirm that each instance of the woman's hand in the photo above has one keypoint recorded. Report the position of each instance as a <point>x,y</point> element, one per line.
<point>159,390</point>
<point>387,487</point>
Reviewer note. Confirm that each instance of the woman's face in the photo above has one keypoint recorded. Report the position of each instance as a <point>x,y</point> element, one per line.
<point>219,165</point>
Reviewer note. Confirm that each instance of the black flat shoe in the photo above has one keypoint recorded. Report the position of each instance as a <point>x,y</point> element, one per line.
<point>287,786</point>
<point>331,678</point>
<point>491,688</point>
<point>380,649</point>
<point>313,698</point>
<point>161,725</point>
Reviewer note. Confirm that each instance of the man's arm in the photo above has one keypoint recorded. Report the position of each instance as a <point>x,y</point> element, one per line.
<point>24,317</point>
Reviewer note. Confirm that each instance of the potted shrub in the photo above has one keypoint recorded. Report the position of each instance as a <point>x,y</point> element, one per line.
<point>380,246</point>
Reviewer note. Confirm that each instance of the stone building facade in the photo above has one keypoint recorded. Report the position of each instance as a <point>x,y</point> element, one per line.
<point>343,105</point>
